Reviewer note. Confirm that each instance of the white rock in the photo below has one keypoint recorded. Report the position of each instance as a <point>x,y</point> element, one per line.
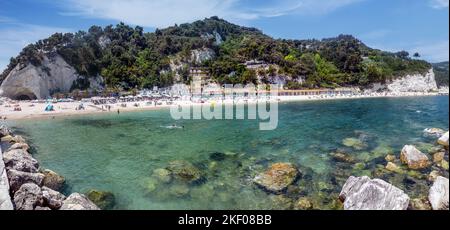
<point>438,195</point>
<point>433,132</point>
<point>414,158</point>
<point>78,201</point>
<point>444,140</point>
<point>414,83</point>
<point>362,193</point>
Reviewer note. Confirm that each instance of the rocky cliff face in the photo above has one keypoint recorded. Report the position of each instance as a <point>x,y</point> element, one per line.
<point>409,83</point>
<point>38,82</point>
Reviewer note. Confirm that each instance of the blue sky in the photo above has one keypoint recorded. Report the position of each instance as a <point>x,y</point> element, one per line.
<point>413,25</point>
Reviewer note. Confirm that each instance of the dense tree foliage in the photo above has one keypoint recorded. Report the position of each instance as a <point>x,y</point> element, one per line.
<point>441,71</point>
<point>127,58</point>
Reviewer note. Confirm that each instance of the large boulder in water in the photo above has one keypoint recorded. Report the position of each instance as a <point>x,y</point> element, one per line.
<point>433,132</point>
<point>184,171</point>
<point>104,200</point>
<point>21,160</point>
<point>53,199</point>
<point>77,201</point>
<point>438,195</point>
<point>18,178</point>
<point>23,146</point>
<point>28,197</point>
<point>53,180</point>
<point>4,131</point>
<point>414,158</point>
<point>277,178</point>
<point>443,140</point>
<point>362,193</point>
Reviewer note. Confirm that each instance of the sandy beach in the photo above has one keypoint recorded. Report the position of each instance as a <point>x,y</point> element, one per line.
<point>32,110</point>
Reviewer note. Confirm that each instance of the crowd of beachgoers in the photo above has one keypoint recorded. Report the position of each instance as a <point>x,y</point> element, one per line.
<point>15,109</point>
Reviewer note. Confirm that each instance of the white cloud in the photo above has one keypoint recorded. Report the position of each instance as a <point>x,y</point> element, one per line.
<point>15,36</point>
<point>439,4</point>
<point>164,13</point>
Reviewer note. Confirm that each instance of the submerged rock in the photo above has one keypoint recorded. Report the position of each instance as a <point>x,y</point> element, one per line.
<point>362,193</point>
<point>303,204</point>
<point>438,195</point>
<point>281,202</point>
<point>419,204</point>
<point>20,160</point>
<point>433,132</point>
<point>179,190</point>
<point>184,171</point>
<point>162,175</point>
<point>443,140</point>
<point>390,158</point>
<point>217,156</point>
<point>53,180</point>
<point>104,200</point>
<point>355,143</point>
<point>394,168</point>
<point>278,177</point>
<point>52,198</point>
<point>343,157</point>
<point>18,178</point>
<point>28,197</point>
<point>414,158</point>
<point>433,175</point>
<point>77,201</point>
<point>444,164</point>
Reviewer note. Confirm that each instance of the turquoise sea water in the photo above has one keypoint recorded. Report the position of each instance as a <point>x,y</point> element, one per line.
<point>118,153</point>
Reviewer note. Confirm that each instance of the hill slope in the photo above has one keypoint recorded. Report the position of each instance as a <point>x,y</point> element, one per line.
<point>128,58</point>
<point>442,74</point>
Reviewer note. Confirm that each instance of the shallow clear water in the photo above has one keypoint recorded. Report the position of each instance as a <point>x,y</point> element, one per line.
<point>118,153</point>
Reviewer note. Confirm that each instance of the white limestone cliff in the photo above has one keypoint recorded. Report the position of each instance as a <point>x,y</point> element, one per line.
<point>409,83</point>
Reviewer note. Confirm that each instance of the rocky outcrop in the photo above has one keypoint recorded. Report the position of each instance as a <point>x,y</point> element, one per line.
<point>184,171</point>
<point>18,178</point>
<point>363,193</point>
<point>5,199</point>
<point>53,180</point>
<point>409,83</point>
<point>78,201</point>
<point>199,56</point>
<point>39,82</point>
<point>277,178</point>
<point>28,197</point>
<point>20,160</point>
<point>414,158</point>
<point>438,195</point>
<point>433,132</point>
<point>52,198</point>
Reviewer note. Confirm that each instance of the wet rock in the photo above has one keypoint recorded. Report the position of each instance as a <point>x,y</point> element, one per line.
<point>281,202</point>
<point>443,140</point>
<point>393,168</point>
<point>20,160</point>
<point>19,139</point>
<point>438,195</point>
<point>162,175</point>
<point>278,177</point>
<point>184,171</point>
<point>433,132</point>
<point>354,143</point>
<point>217,156</point>
<point>150,185</point>
<point>362,193</point>
<point>303,204</point>
<point>78,201</point>
<point>23,146</point>
<point>104,200</point>
<point>28,197</point>
<point>18,178</point>
<point>390,158</point>
<point>7,139</point>
<point>4,131</point>
<point>53,180</point>
<point>52,198</point>
<point>414,158</point>
<point>433,175</point>
<point>343,157</point>
<point>179,190</point>
<point>444,164</point>
<point>359,166</point>
<point>419,204</point>
<point>438,157</point>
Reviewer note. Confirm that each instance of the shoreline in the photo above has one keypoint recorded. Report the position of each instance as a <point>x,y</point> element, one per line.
<point>67,109</point>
